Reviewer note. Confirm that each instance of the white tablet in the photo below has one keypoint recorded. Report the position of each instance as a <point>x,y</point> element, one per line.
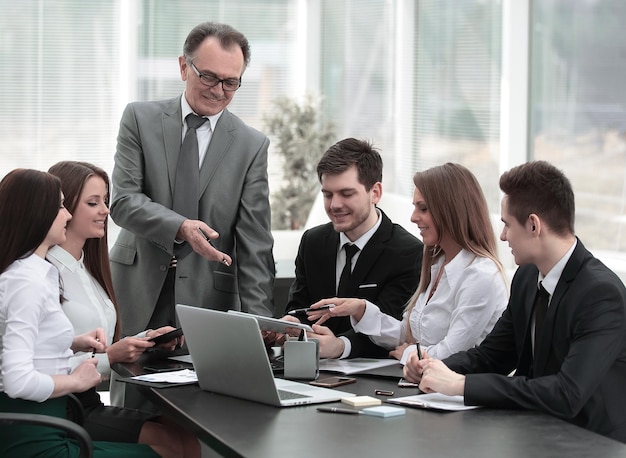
<point>274,324</point>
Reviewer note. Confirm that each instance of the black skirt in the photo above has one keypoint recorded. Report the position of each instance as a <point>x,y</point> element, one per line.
<point>109,423</point>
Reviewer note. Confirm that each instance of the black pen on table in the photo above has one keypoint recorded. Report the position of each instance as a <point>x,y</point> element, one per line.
<point>339,410</point>
<point>206,237</point>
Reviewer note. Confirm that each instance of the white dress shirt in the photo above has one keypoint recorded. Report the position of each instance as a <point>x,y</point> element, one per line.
<point>469,299</point>
<point>87,304</point>
<point>203,133</point>
<point>36,334</point>
<point>341,261</point>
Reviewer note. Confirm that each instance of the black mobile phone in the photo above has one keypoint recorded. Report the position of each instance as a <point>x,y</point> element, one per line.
<point>167,336</point>
<point>167,368</point>
<point>331,382</point>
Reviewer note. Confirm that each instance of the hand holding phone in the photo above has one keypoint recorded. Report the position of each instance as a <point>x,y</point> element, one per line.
<point>158,340</point>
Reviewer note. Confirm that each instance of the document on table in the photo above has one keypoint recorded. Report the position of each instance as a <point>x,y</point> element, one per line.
<point>433,401</point>
<point>355,365</point>
<point>183,376</point>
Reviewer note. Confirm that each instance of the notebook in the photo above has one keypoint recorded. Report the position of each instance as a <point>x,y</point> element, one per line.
<point>229,357</point>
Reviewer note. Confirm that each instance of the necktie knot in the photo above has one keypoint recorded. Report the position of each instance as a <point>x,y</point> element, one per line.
<point>350,250</point>
<point>344,280</point>
<point>193,121</point>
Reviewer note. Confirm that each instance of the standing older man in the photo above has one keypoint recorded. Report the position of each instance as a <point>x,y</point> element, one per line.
<point>169,204</point>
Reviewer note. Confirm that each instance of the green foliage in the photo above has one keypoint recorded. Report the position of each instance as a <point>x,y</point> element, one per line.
<point>300,138</point>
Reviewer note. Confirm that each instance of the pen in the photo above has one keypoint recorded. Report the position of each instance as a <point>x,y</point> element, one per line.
<point>419,350</point>
<point>93,354</point>
<point>338,410</point>
<point>206,237</point>
<point>309,309</point>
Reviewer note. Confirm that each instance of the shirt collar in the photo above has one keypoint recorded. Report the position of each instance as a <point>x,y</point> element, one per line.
<point>361,241</point>
<point>64,258</point>
<point>186,109</point>
<point>455,268</point>
<point>551,279</point>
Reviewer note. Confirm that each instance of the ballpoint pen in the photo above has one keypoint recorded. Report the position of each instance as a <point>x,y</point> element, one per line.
<point>93,354</point>
<point>206,237</point>
<point>309,309</point>
<point>339,410</point>
<point>419,350</point>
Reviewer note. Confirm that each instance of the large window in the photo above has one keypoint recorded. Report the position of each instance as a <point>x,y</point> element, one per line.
<point>422,79</point>
<point>578,112</point>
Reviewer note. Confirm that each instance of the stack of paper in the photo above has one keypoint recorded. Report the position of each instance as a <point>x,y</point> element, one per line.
<point>433,401</point>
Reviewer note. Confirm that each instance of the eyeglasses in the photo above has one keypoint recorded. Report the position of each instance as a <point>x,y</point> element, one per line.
<point>229,84</point>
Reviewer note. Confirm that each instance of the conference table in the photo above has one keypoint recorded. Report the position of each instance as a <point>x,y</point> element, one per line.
<point>239,428</point>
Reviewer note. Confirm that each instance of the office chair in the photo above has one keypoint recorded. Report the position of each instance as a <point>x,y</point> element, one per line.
<point>73,430</point>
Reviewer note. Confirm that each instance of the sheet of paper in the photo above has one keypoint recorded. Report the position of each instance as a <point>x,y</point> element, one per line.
<point>181,376</point>
<point>355,365</point>
<point>434,401</point>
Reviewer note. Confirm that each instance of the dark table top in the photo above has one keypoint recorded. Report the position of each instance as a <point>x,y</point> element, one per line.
<point>236,427</point>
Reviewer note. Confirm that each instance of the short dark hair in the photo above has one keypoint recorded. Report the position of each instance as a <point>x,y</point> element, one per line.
<point>540,188</point>
<point>348,152</point>
<point>227,36</point>
<point>29,204</point>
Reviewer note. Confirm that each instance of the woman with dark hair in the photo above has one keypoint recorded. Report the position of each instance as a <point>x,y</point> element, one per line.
<point>462,290</point>
<point>83,262</point>
<point>37,339</point>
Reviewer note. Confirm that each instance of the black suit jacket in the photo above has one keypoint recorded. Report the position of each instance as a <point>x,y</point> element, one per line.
<point>386,273</point>
<point>579,369</point>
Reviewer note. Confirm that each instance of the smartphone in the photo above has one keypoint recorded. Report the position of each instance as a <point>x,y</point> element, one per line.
<point>331,382</point>
<point>167,368</point>
<point>167,336</point>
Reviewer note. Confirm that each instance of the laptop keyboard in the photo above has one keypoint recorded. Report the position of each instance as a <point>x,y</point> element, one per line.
<point>284,395</point>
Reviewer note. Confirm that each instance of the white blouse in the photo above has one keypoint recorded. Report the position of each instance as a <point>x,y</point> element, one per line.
<point>87,304</point>
<point>36,336</point>
<point>470,297</point>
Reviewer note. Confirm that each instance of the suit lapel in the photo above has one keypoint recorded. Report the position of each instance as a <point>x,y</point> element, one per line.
<point>526,357</point>
<point>569,274</point>
<point>327,262</point>
<point>221,141</point>
<point>172,126</point>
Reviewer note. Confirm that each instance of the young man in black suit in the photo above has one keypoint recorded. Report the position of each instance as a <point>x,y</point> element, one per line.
<point>570,362</point>
<point>386,267</point>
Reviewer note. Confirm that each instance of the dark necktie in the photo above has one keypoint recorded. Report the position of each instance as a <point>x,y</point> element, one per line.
<point>344,280</point>
<point>541,307</point>
<point>187,173</point>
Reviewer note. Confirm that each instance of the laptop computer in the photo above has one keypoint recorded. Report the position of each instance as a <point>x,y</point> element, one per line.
<point>229,357</point>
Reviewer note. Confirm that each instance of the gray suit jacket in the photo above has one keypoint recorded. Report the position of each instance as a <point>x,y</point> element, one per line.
<point>233,200</point>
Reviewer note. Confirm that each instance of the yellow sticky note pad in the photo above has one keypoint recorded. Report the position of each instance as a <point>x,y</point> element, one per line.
<point>361,401</point>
